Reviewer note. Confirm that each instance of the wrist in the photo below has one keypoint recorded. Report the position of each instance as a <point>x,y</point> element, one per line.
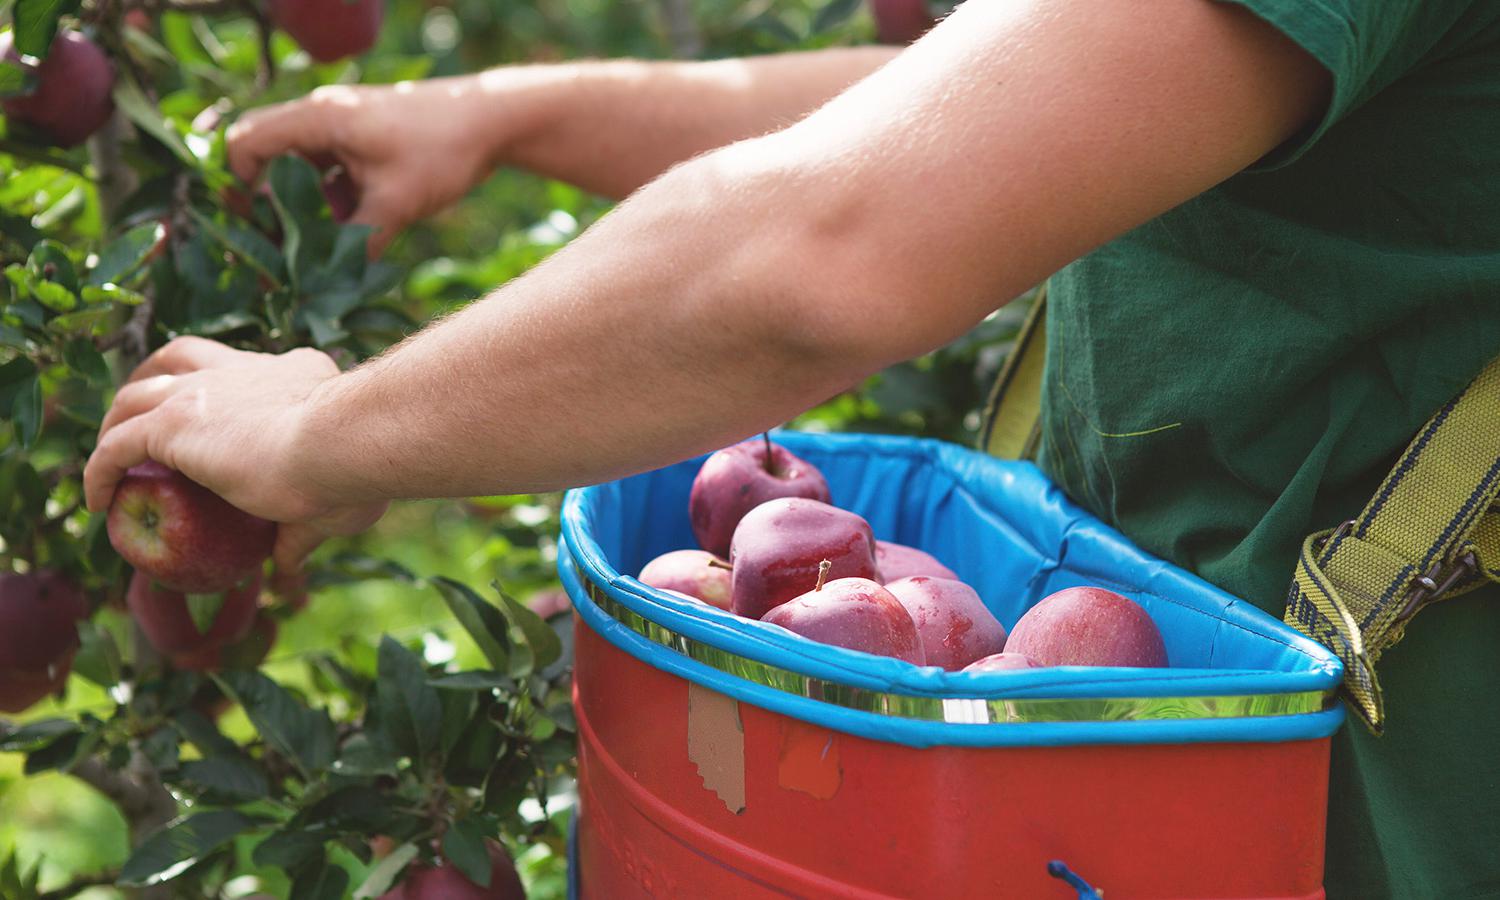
<point>319,469</point>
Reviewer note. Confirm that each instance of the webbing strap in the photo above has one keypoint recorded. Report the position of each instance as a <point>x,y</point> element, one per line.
<point>1013,412</point>
<point>1428,533</point>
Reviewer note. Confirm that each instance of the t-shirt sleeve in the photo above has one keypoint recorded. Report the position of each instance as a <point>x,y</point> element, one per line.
<point>1364,44</point>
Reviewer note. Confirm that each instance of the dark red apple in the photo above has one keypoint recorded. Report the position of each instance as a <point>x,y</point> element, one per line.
<point>1088,626</point>
<point>547,604</point>
<point>900,21</point>
<point>246,653</point>
<point>779,544</point>
<point>1000,662</point>
<point>446,882</point>
<point>330,30</point>
<point>182,534</point>
<point>855,613</point>
<point>39,614</point>
<point>898,561</point>
<point>697,573</point>
<point>164,616</point>
<point>341,193</point>
<point>737,479</point>
<point>955,626</point>
<point>73,84</point>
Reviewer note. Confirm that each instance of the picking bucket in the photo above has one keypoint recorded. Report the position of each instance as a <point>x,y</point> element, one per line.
<point>723,758</point>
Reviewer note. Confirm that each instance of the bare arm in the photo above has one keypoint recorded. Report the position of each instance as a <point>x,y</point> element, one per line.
<point>607,126</point>
<point>744,286</point>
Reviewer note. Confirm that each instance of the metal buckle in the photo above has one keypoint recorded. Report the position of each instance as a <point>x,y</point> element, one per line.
<point>1342,531</point>
<point>1426,587</point>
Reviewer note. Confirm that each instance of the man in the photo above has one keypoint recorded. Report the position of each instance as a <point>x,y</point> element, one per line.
<point>1285,213</point>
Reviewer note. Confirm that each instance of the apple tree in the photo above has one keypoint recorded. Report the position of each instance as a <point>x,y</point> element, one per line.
<point>370,768</point>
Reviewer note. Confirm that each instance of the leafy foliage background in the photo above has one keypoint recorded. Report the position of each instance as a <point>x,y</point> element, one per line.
<point>370,615</point>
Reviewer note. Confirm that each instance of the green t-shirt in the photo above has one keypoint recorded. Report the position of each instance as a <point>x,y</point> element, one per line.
<point>1243,370</point>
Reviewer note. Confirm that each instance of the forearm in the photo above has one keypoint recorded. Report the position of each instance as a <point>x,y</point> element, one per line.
<point>623,352</point>
<point>612,126</point>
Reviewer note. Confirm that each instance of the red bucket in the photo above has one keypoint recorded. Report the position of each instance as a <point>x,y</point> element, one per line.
<point>721,759</point>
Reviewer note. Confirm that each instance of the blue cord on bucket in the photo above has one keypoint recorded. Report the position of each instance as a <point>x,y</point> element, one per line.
<point>1058,869</point>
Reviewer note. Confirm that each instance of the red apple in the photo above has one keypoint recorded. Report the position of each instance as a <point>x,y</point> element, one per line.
<point>737,479</point>
<point>898,561</point>
<point>244,654</point>
<point>164,616</point>
<point>900,21</point>
<point>696,573</point>
<point>446,882</point>
<point>551,603</point>
<point>955,626</point>
<point>39,614</point>
<point>779,544</point>
<point>856,613</point>
<point>73,84</point>
<point>330,30</point>
<point>341,193</point>
<point>182,534</point>
<point>1000,662</point>
<point>1088,626</point>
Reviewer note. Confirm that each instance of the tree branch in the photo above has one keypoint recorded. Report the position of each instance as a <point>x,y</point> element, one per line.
<point>682,28</point>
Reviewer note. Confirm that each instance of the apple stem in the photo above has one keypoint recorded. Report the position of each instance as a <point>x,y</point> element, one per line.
<point>768,462</point>
<point>823,568</point>
<point>720,564</point>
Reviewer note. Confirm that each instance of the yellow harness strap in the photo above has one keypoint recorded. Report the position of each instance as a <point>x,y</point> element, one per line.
<point>1013,412</point>
<point>1429,533</point>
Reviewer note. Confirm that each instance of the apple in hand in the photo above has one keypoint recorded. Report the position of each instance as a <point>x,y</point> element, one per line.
<point>72,98</point>
<point>164,616</point>
<point>778,545</point>
<point>898,561</point>
<point>39,614</point>
<point>1088,626</point>
<point>446,882</point>
<point>999,662</point>
<point>182,534</point>
<point>955,625</point>
<point>855,613</point>
<point>330,30</point>
<point>696,573</point>
<point>737,479</point>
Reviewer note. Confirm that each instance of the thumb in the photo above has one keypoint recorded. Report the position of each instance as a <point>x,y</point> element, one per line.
<point>293,544</point>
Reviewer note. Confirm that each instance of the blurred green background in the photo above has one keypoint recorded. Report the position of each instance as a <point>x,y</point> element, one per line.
<point>504,227</point>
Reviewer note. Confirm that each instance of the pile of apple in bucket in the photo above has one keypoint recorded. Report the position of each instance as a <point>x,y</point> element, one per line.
<point>773,548</point>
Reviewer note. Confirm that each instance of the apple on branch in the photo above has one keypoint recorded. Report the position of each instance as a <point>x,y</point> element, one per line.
<point>72,96</point>
<point>330,30</point>
<point>39,615</point>
<point>169,624</point>
<point>445,882</point>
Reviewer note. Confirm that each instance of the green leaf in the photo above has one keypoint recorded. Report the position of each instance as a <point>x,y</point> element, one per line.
<point>290,848</point>
<point>384,874</point>
<point>49,261</point>
<point>410,711</point>
<point>132,101</point>
<point>231,321</point>
<point>304,735</point>
<point>202,733</point>
<point>62,754</point>
<point>36,24</point>
<point>82,357</point>
<point>226,778</point>
<point>204,609</point>
<point>34,735</point>
<point>539,636</point>
<point>26,412</point>
<point>324,330</point>
<point>80,322</point>
<point>324,882</point>
<point>98,658</point>
<point>111,293</point>
<point>835,13</point>
<point>14,376</point>
<point>174,849</point>
<point>124,256</point>
<point>458,711</point>
<point>360,756</point>
<point>247,244</point>
<point>297,195</point>
<point>54,296</point>
<point>13,79</point>
<point>483,622</point>
<point>18,228</point>
<point>463,845</point>
<point>355,809</point>
<point>477,680</point>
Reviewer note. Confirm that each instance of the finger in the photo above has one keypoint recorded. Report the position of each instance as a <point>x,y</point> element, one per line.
<point>123,447</point>
<point>301,126</point>
<point>136,398</point>
<point>293,544</point>
<point>378,210</point>
<point>188,354</point>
